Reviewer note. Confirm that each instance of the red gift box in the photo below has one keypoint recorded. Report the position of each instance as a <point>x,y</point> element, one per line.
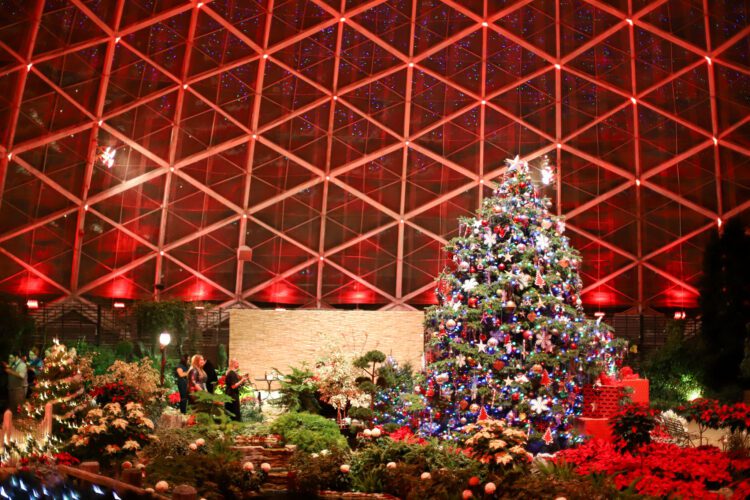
<point>640,387</point>
<point>598,428</point>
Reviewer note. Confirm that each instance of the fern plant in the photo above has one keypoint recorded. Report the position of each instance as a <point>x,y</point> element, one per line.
<point>297,392</point>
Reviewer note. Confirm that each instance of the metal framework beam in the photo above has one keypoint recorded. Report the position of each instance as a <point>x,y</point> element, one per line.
<point>407,140</point>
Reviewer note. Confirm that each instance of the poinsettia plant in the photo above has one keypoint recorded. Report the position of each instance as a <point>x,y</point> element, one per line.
<point>495,443</point>
<point>141,376</point>
<point>113,392</point>
<point>661,470</point>
<point>702,411</point>
<point>406,435</point>
<point>736,417</point>
<point>112,431</point>
<point>632,426</point>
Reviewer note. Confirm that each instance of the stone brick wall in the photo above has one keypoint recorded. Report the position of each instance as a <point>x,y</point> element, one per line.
<point>264,339</point>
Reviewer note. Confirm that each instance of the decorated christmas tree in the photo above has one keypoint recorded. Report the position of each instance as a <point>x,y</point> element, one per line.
<point>509,339</point>
<point>61,382</point>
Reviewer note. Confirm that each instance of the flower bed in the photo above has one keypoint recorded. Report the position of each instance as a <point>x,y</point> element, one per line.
<point>658,469</point>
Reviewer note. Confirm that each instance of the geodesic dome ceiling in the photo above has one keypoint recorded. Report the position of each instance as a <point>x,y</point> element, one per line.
<point>145,141</point>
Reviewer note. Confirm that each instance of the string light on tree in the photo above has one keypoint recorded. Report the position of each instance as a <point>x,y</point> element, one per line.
<point>60,382</point>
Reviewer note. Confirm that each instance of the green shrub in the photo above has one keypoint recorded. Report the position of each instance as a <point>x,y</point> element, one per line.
<point>313,472</point>
<point>369,465</point>
<point>297,391</point>
<point>209,408</point>
<point>101,357</point>
<point>674,370</point>
<point>311,433</point>
<point>171,443</point>
<point>444,484</point>
<point>559,480</point>
<point>212,475</point>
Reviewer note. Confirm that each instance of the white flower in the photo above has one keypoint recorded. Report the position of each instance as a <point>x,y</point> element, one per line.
<point>96,429</point>
<point>79,440</point>
<point>538,405</point>
<point>135,414</point>
<point>324,452</point>
<point>469,285</point>
<point>147,422</point>
<point>95,413</point>
<point>120,423</point>
<point>111,449</point>
<point>113,408</point>
<point>131,445</point>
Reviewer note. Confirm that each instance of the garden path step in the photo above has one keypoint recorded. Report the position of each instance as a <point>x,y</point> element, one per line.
<point>278,458</point>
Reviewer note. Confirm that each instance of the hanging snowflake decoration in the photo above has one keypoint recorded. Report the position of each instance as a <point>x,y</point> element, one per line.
<point>538,405</point>
<point>469,285</point>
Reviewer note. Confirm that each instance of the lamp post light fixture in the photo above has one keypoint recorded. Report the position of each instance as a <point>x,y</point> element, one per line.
<point>164,340</point>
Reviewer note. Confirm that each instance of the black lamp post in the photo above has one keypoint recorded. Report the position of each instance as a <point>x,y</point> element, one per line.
<point>164,340</point>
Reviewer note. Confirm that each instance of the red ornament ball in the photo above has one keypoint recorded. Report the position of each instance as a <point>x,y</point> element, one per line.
<point>472,302</point>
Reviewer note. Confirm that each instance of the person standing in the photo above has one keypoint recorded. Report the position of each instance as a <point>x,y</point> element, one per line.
<point>212,378</point>
<point>234,382</point>
<point>196,375</point>
<point>18,382</point>
<point>34,366</point>
<point>181,373</point>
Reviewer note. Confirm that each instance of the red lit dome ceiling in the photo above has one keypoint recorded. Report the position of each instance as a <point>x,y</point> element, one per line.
<point>340,140</point>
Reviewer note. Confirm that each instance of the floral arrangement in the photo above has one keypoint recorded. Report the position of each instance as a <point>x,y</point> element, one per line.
<point>705,412</point>
<point>113,431</point>
<point>63,458</point>
<point>709,413</point>
<point>736,417</point>
<point>660,470</point>
<point>406,435</point>
<point>141,376</point>
<point>493,442</point>
<point>114,392</point>
<point>336,377</point>
<point>632,426</point>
